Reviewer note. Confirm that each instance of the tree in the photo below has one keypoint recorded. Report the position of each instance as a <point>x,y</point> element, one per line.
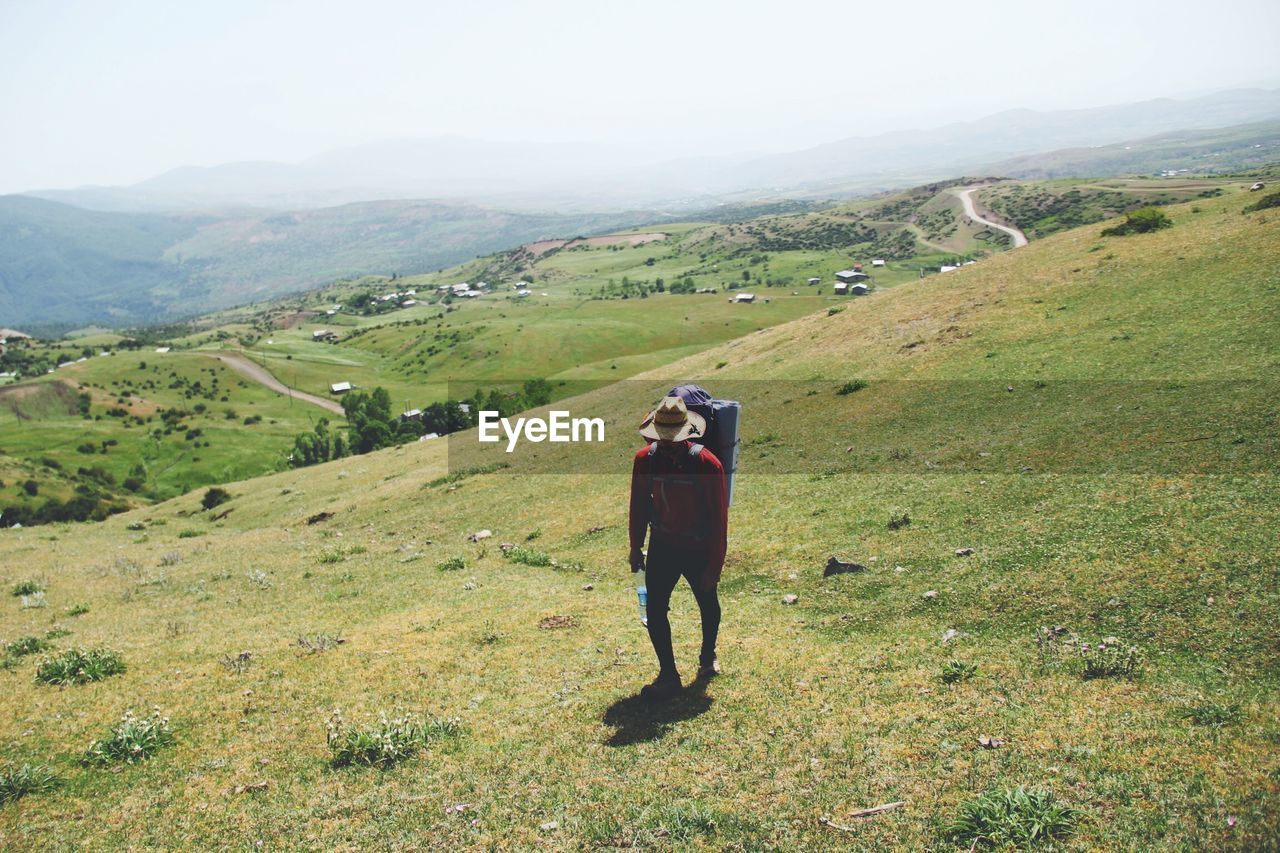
<point>1141,221</point>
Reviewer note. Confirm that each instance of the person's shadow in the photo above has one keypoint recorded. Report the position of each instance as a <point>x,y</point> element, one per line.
<point>638,720</point>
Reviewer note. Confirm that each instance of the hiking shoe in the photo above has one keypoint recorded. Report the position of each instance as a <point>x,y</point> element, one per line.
<point>710,669</point>
<point>663,687</point>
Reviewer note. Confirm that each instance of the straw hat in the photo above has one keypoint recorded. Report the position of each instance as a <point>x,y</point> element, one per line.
<point>672,421</point>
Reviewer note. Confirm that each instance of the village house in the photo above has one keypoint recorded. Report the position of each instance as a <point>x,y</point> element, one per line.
<point>411,415</point>
<point>340,387</point>
<point>851,275</point>
<point>744,297</point>
<point>858,290</point>
<point>324,335</point>
<point>878,262</point>
<point>814,281</point>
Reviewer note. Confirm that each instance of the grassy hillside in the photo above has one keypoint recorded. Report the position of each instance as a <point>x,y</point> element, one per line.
<point>844,700</point>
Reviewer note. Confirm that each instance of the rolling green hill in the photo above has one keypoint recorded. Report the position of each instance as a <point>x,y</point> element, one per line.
<point>1124,488</point>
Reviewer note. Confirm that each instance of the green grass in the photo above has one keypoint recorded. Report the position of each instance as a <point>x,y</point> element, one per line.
<point>79,666</point>
<point>1017,818</point>
<point>17,782</point>
<point>133,739</point>
<point>825,707</point>
<point>387,741</point>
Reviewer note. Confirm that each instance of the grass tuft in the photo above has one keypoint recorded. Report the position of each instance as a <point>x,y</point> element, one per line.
<point>1213,714</point>
<point>17,782</point>
<point>133,739</point>
<point>1016,817</point>
<point>1109,659</point>
<point>27,587</point>
<point>954,671</point>
<point>453,564</point>
<point>79,666</point>
<point>528,556</point>
<point>23,646</point>
<point>386,742</point>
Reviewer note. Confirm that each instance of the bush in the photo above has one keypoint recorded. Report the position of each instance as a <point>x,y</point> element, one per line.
<point>851,387</point>
<point>79,666</point>
<point>132,739</point>
<point>1265,203</point>
<point>386,742</point>
<point>1141,221</point>
<point>1012,818</point>
<point>17,782</point>
<point>215,497</point>
<point>27,587</point>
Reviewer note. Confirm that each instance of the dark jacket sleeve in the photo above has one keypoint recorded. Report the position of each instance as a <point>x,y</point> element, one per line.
<point>640,500</point>
<point>717,493</point>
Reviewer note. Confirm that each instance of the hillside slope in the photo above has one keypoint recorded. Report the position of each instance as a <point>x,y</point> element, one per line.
<point>830,705</point>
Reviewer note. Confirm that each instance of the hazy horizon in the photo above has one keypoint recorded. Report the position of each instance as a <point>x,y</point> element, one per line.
<point>106,96</point>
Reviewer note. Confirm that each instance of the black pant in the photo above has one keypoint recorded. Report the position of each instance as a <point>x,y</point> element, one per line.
<point>665,565</point>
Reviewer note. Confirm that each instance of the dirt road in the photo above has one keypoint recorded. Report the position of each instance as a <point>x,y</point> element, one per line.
<point>1019,239</point>
<point>261,375</point>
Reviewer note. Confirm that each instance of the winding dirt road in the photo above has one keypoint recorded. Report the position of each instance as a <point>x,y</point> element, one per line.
<point>261,375</point>
<point>1019,239</point>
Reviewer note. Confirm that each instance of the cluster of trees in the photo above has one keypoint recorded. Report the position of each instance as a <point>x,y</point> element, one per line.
<point>372,424</point>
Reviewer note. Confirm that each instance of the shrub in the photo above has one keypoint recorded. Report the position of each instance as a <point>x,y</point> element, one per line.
<point>17,782</point>
<point>954,671</point>
<point>215,497</point>
<point>79,666</point>
<point>27,587</point>
<point>133,739</point>
<point>1109,658</point>
<point>23,646</point>
<point>1012,818</point>
<point>1267,202</point>
<point>528,556</point>
<point>78,610</point>
<point>851,387</point>
<point>453,564</point>
<point>386,742</point>
<point>188,533</point>
<point>1141,221</point>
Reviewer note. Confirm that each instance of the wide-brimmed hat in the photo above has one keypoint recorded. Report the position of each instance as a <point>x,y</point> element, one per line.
<point>672,421</point>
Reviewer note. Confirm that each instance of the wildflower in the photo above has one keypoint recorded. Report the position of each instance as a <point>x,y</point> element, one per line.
<point>1231,820</point>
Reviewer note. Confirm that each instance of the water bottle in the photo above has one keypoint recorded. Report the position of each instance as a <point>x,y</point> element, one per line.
<point>642,593</point>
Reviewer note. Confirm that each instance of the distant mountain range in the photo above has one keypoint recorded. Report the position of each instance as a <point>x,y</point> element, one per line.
<point>560,176</point>
<point>61,266</point>
<point>198,239</point>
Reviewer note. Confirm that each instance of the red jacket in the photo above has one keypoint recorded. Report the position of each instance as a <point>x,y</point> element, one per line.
<point>688,507</point>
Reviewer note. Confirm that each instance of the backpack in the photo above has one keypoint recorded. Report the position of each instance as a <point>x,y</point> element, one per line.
<point>722,427</point>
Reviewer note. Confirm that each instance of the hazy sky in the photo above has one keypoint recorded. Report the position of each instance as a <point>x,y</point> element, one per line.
<point>114,91</point>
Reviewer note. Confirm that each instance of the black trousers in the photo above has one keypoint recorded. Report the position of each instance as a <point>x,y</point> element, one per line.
<point>663,569</point>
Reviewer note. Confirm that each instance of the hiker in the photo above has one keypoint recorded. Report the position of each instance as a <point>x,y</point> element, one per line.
<point>678,490</point>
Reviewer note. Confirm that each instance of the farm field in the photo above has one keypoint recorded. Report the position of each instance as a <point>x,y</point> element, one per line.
<point>1093,417</point>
